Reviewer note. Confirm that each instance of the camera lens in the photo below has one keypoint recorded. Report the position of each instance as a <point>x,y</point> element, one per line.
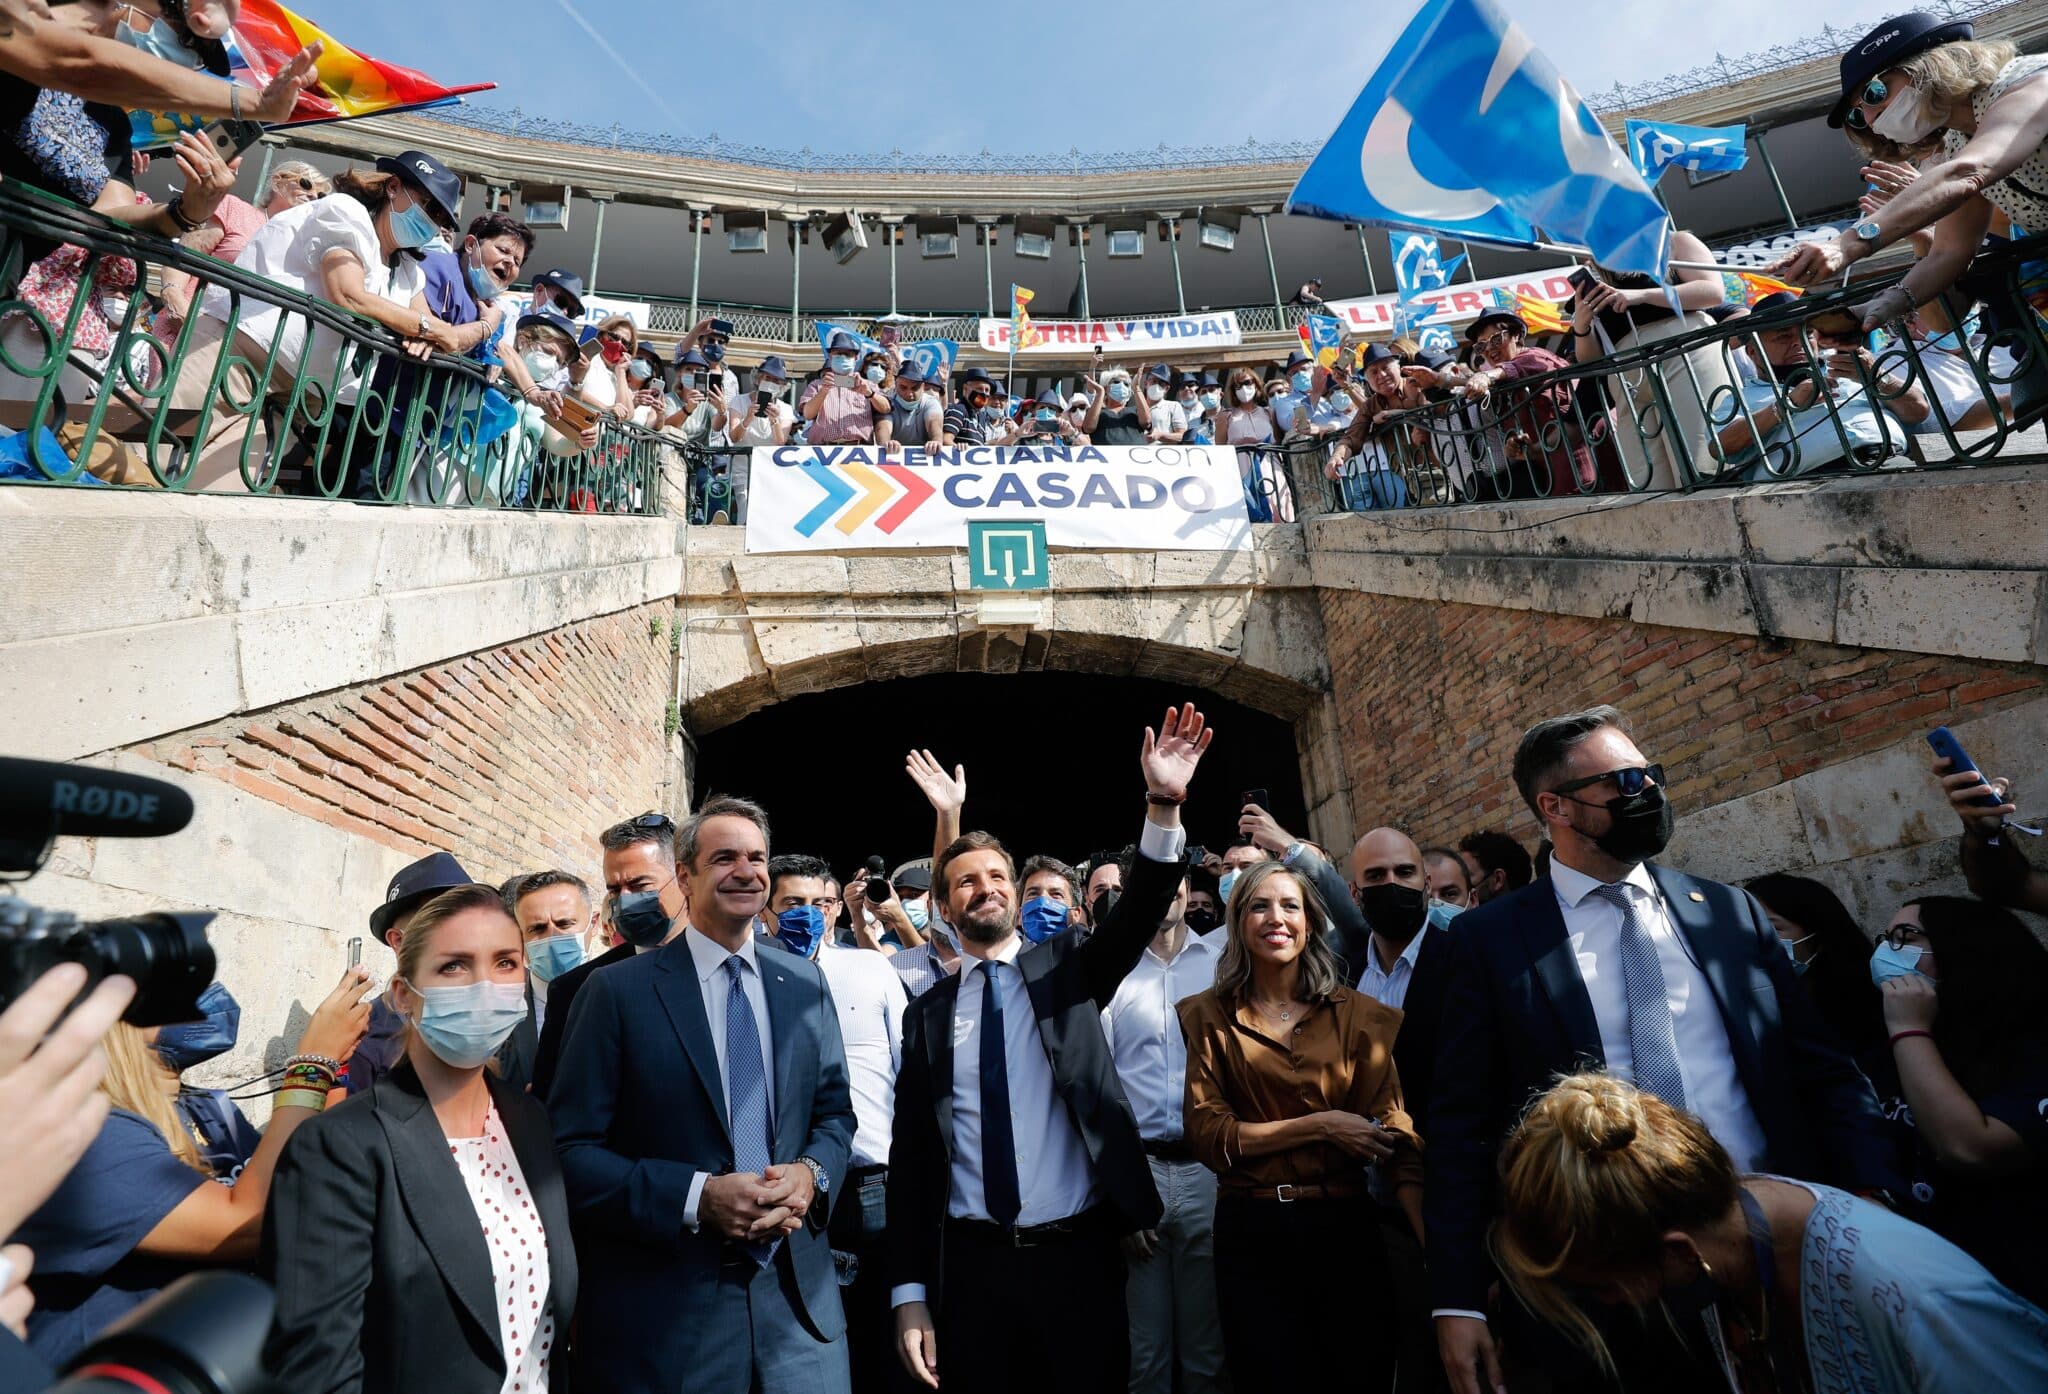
<point>166,954</point>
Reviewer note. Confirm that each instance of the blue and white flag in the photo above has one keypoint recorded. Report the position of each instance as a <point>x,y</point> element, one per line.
<point>1437,339</point>
<point>928,354</point>
<point>1419,265</point>
<point>1530,154</point>
<point>1657,145</point>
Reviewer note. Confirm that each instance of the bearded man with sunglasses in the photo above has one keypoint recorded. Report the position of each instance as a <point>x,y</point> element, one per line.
<point>1614,962</point>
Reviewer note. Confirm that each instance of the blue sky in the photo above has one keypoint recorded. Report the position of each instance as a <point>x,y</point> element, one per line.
<point>1015,78</point>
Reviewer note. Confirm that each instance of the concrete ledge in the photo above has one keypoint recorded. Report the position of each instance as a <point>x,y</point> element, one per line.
<point>138,614</point>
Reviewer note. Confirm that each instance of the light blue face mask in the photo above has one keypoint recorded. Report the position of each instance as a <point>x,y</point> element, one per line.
<point>1119,392</point>
<point>1887,962</point>
<point>1303,380</point>
<point>465,1025</point>
<point>553,956</point>
<point>1210,401</point>
<point>162,41</point>
<point>411,227</point>
<point>920,914</point>
<point>842,363</point>
<point>1441,914</point>
<point>1224,884</point>
<point>483,285</point>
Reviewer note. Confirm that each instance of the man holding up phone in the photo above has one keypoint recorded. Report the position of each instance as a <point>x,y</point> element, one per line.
<point>842,407</point>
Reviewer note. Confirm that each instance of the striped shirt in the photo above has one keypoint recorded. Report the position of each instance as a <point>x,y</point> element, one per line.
<point>963,424</point>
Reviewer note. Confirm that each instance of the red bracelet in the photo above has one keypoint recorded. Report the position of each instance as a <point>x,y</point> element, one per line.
<point>1898,1036</point>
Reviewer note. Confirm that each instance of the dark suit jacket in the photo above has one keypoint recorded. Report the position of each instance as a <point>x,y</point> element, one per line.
<point>561,993</point>
<point>383,1278</point>
<point>1516,1015</point>
<point>639,1105</point>
<point>1422,1009</point>
<point>1070,980</point>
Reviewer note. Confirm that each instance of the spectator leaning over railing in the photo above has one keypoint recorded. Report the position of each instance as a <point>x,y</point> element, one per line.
<point>963,418</point>
<point>1539,433</point>
<point>916,417</point>
<point>223,235</point>
<point>1800,433</point>
<point>1368,460</point>
<point>557,290</point>
<point>1917,86</point>
<point>1613,312</point>
<point>606,386</point>
<point>1333,410</point>
<point>359,248</point>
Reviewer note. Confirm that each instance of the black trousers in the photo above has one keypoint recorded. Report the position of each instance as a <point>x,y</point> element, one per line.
<point>1420,1368</point>
<point>1302,1290</point>
<point>1048,1319</point>
<point>860,1243</point>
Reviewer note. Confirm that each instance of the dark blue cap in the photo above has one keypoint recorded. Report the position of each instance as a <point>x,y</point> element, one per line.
<point>565,282</point>
<point>415,884</point>
<point>1888,46</point>
<point>1512,320</point>
<point>1158,372</point>
<point>1209,380</point>
<point>1435,359</point>
<point>427,174</point>
<point>772,367</point>
<point>1776,300</point>
<point>1377,353</point>
<point>1296,359</point>
<point>841,340</point>
<point>1051,398</point>
<point>973,375</point>
<point>549,319</point>
<point>995,386</point>
<point>909,369</point>
<point>693,359</point>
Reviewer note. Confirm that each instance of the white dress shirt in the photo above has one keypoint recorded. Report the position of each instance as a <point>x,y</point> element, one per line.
<point>1055,1177</point>
<point>1713,1089</point>
<point>1144,1032</point>
<point>869,998</point>
<point>1390,988</point>
<point>708,957</point>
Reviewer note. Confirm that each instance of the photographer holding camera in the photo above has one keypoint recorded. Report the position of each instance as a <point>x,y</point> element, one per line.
<point>139,1210</point>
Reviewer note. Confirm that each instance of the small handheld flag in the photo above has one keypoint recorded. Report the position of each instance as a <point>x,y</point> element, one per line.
<point>1321,338</point>
<point>1655,146</point>
<point>1023,334</point>
<point>1748,287</point>
<point>1542,316</point>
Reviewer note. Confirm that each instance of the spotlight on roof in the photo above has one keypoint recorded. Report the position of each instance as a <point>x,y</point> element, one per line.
<point>1218,230</point>
<point>845,238</point>
<point>938,238</point>
<point>1034,238</point>
<point>746,232</point>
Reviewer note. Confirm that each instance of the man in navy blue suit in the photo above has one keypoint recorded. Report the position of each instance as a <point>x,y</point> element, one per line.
<point>1612,962</point>
<point>704,1120</point>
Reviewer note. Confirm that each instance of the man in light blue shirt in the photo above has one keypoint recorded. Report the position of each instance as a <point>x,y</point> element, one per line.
<point>1802,431</point>
<point>1289,408</point>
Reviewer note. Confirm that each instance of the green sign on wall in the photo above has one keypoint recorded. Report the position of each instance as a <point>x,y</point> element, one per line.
<point>1007,557</point>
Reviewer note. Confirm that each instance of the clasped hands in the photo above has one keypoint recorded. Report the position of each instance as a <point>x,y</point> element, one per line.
<point>751,1209</point>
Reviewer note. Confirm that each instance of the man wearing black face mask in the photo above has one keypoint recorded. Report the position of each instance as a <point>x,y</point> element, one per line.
<point>644,901</point>
<point>1614,962</point>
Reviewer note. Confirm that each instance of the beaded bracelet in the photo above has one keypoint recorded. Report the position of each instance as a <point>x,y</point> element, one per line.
<point>302,1098</point>
<point>308,1080</point>
<point>309,1059</point>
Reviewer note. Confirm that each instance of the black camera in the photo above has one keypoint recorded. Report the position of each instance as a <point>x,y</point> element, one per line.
<point>166,954</point>
<point>201,1335</point>
<point>878,880</point>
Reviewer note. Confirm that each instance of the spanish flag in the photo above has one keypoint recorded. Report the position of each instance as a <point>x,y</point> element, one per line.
<point>1748,287</point>
<point>1022,334</point>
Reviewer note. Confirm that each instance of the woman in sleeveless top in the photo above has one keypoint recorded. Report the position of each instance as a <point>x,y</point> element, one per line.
<point>1914,89</point>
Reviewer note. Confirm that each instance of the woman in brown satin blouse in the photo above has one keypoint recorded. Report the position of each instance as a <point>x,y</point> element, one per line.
<point>1291,1095</point>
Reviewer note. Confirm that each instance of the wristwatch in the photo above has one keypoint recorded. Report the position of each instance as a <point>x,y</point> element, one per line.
<point>821,1180</point>
<point>1869,234</point>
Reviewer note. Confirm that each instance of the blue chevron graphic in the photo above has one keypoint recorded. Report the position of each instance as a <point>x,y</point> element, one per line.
<point>838,493</point>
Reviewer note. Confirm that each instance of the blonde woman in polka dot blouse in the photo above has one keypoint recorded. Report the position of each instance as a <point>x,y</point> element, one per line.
<point>417,1234</point>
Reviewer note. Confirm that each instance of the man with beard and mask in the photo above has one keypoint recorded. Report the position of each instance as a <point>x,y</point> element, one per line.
<point>1617,963</point>
<point>644,905</point>
<point>870,1000</point>
<point>1204,912</point>
<point>1010,1180</point>
<point>1170,1287</point>
<point>704,1121</point>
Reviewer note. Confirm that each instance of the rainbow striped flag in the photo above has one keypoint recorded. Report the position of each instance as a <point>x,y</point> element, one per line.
<point>1022,332</point>
<point>348,84</point>
<point>1748,287</point>
<point>1542,316</point>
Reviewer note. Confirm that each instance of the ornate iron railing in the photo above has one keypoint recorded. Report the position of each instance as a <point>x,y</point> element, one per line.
<point>1815,396</point>
<point>262,390</point>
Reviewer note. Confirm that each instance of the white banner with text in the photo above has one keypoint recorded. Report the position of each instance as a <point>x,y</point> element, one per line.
<point>1212,329</point>
<point>1454,304</point>
<point>839,498</point>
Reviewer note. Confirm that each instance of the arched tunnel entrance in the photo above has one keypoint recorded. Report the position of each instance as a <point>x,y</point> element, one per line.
<point>1051,763</point>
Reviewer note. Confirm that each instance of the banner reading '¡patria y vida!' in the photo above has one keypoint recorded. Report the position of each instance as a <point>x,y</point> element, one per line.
<point>842,498</point>
<point>1164,334</point>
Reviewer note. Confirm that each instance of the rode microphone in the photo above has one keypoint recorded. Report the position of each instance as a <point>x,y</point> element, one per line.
<point>44,799</point>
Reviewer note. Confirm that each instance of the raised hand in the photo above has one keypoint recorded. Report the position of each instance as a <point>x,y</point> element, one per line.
<point>281,94</point>
<point>946,793</point>
<point>1169,759</point>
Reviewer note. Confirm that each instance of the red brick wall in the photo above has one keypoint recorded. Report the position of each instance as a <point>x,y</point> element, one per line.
<point>513,759</point>
<point>1432,699</point>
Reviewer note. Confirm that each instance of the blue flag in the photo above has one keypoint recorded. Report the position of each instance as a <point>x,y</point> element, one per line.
<point>1657,145</point>
<point>1382,167</point>
<point>1419,265</point>
<point>1530,154</point>
<point>928,354</point>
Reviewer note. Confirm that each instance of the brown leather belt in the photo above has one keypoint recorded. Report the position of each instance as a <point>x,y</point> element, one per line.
<point>1288,1194</point>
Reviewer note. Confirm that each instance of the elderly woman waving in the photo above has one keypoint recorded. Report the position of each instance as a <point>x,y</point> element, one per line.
<point>1973,115</point>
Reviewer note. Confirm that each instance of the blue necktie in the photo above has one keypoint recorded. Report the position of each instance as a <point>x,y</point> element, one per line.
<point>1652,1041</point>
<point>746,1087</point>
<point>998,1142</point>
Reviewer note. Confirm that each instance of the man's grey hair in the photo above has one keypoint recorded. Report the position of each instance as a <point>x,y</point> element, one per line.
<point>1549,743</point>
<point>691,830</point>
<point>619,836</point>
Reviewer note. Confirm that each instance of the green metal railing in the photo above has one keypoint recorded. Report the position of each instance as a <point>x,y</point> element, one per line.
<point>1681,414</point>
<point>266,391</point>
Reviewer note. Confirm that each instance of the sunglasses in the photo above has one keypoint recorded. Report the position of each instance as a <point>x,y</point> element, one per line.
<point>1874,92</point>
<point>1489,340</point>
<point>616,338</point>
<point>653,822</point>
<point>1630,782</point>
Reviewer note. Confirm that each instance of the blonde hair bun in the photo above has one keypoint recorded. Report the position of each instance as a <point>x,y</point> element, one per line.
<point>1597,1112</point>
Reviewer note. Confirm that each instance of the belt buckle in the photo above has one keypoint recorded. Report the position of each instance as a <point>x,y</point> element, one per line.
<point>1019,1238</point>
<point>1284,1193</point>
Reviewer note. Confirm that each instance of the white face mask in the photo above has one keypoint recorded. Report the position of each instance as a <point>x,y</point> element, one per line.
<point>1154,392</point>
<point>1908,120</point>
<point>1246,392</point>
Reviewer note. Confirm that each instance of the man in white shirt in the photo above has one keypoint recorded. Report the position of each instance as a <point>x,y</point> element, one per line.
<point>1176,1336</point>
<point>1011,1181</point>
<point>1169,422</point>
<point>1613,962</point>
<point>870,999</point>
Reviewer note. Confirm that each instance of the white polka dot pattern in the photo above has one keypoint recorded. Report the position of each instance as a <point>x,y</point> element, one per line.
<point>2027,209</point>
<point>519,1253</point>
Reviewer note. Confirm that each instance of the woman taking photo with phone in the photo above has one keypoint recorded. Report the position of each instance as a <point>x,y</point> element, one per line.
<point>420,1239</point>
